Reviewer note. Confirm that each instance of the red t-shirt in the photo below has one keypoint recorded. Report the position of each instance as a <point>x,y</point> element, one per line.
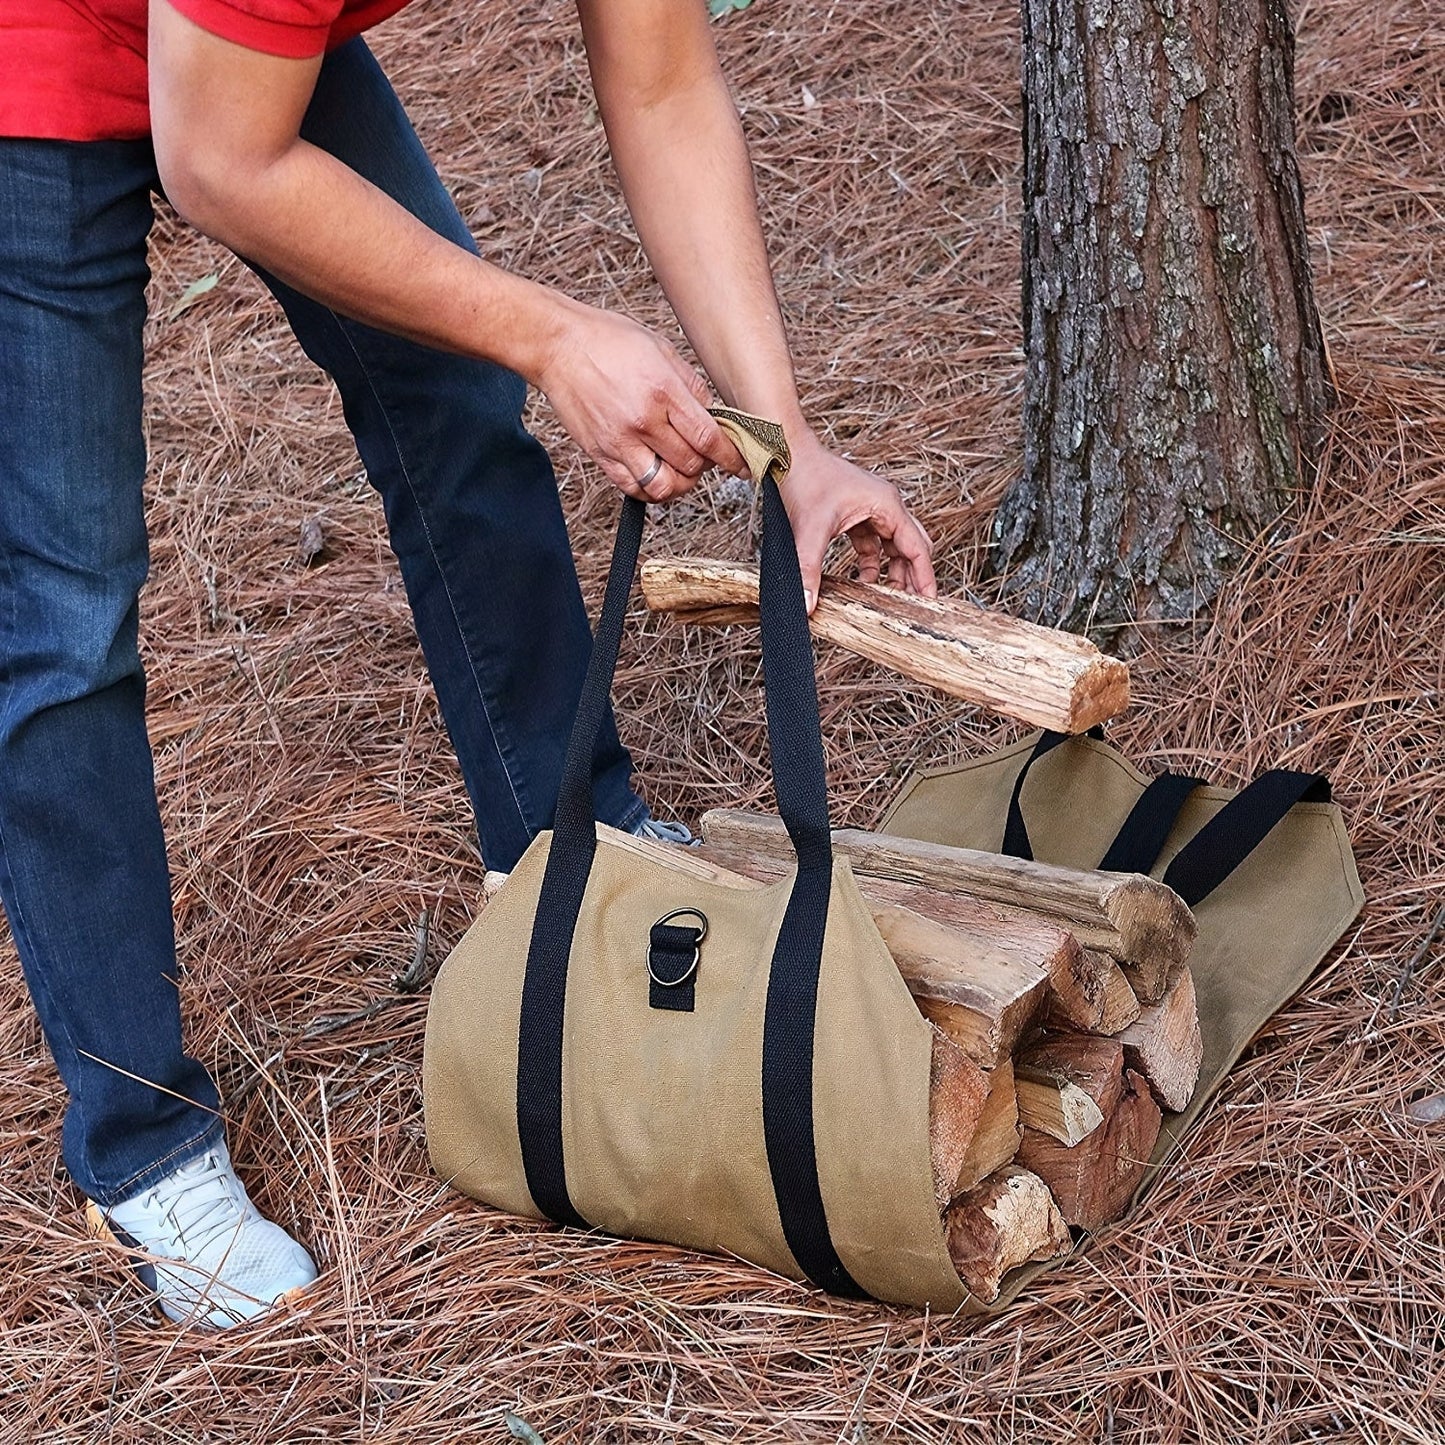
<point>76,69</point>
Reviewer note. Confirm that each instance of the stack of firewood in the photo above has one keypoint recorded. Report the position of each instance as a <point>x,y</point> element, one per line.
<point>1064,1024</point>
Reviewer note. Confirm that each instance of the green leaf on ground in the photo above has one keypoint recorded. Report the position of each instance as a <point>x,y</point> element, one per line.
<point>521,1430</point>
<point>718,8</point>
<point>192,294</point>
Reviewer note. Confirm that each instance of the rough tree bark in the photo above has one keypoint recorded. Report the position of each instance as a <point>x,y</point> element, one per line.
<point>1175,382</point>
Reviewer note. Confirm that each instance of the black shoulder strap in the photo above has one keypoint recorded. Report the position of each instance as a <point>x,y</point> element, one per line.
<point>790,1012</point>
<point>1016,842</point>
<point>796,744</point>
<point>1212,854</point>
<point>569,862</point>
<point>1238,828</point>
<point>1138,844</point>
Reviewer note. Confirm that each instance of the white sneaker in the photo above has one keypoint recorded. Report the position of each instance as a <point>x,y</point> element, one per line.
<point>205,1249</point>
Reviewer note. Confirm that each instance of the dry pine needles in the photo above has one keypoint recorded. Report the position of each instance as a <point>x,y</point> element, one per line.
<point>1286,1282</point>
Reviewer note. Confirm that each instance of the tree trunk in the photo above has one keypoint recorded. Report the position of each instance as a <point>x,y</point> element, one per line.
<point>1175,382</point>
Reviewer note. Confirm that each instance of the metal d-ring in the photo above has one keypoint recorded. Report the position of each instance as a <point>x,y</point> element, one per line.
<point>691,968</point>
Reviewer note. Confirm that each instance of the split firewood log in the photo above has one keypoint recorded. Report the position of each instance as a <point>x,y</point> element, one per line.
<point>1094,1179</point>
<point>957,1097</point>
<point>1127,915</point>
<point>1087,989</point>
<point>995,1138</point>
<point>1165,1045</point>
<point>1038,674</point>
<point>1052,1104</point>
<point>982,999</point>
<point>1008,1220</point>
<point>1098,999</point>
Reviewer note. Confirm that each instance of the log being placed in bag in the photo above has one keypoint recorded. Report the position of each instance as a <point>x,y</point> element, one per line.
<point>957,1099</point>
<point>1165,1045</point>
<point>1094,1179</point>
<point>995,1139</point>
<point>1008,1220</point>
<point>1086,989</point>
<point>1037,674</point>
<point>1133,918</point>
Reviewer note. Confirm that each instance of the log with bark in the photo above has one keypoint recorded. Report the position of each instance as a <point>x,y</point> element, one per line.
<point>1051,679</point>
<point>1087,989</point>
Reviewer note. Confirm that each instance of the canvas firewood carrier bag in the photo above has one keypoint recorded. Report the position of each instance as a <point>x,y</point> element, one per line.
<point>618,1044</point>
<point>1267,871</point>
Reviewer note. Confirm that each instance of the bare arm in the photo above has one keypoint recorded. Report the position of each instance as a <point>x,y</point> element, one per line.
<point>226,123</point>
<point>680,154</point>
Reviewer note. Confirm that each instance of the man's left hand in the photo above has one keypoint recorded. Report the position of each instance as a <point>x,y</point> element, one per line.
<point>826,496</point>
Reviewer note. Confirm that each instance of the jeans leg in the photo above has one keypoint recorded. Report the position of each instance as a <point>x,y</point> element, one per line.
<point>471,504</point>
<point>83,868</point>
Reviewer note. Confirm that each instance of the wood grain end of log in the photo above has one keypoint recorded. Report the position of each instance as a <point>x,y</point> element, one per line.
<point>1165,1044</point>
<point>1157,926</point>
<point>985,999</point>
<point>1051,1103</point>
<point>1094,1181</point>
<point>1008,1220</point>
<point>996,1139</point>
<point>1089,991</point>
<point>1099,693</point>
<point>957,1094</point>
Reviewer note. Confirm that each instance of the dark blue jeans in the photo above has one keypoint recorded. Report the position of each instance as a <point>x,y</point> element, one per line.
<point>471,504</point>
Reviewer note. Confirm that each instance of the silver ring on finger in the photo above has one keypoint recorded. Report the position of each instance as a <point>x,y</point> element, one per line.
<point>650,475</point>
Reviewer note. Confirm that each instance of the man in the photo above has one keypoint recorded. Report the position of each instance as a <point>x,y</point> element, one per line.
<point>271,128</point>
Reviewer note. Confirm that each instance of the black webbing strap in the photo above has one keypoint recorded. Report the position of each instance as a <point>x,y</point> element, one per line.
<point>796,745</point>
<point>1015,833</point>
<point>1238,828</point>
<point>1138,844</point>
<point>1214,852</point>
<point>790,1013</point>
<point>569,861</point>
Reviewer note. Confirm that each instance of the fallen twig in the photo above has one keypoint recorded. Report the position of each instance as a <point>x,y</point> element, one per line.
<point>1415,960</point>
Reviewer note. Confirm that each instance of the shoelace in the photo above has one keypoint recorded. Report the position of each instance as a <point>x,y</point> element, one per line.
<point>201,1204</point>
<point>665,832</point>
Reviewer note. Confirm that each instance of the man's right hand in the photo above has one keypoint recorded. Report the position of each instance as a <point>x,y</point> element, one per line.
<point>226,124</point>
<point>628,398</point>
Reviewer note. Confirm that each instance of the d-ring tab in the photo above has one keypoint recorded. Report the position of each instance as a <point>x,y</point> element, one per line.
<point>673,941</point>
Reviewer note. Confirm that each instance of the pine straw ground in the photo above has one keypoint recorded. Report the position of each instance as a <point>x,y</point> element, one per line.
<point>1286,1283</point>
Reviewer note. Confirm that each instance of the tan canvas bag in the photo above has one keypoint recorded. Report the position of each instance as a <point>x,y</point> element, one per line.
<point>1268,872</point>
<point>618,1044</point>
